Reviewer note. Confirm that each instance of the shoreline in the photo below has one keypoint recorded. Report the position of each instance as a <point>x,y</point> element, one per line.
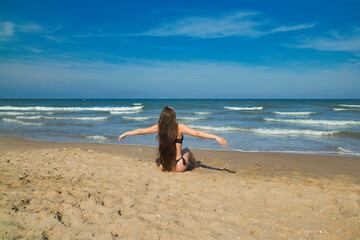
<point>230,149</point>
<point>259,163</point>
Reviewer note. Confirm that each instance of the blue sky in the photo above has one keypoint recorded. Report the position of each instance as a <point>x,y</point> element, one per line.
<point>180,49</point>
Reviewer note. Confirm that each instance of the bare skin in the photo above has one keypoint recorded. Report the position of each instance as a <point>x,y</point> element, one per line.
<point>185,153</point>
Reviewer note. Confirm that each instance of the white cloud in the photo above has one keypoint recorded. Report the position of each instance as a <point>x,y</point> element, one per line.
<point>53,38</point>
<point>292,28</point>
<point>32,49</point>
<point>6,29</point>
<point>210,27</point>
<point>31,27</point>
<point>346,43</point>
<point>237,24</point>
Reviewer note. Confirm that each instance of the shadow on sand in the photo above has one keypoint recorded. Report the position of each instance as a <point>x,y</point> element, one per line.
<point>200,165</point>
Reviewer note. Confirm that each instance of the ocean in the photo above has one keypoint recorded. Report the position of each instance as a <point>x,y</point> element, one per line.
<point>326,127</point>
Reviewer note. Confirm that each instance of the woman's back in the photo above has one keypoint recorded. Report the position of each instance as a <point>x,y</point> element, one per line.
<point>170,135</point>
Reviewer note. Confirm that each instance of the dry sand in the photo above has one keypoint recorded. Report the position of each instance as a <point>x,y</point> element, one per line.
<point>103,191</point>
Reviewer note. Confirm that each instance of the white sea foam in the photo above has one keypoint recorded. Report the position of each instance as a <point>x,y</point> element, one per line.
<point>340,149</point>
<point>137,104</point>
<point>315,122</point>
<point>138,118</point>
<point>294,113</point>
<point>348,105</point>
<point>78,118</point>
<point>124,112</point>
<point>266,131</point>
<point>244,108</point>
<point>29,117</point>
<point>191,118</point>
<point>95,137</point>
<point>20,113</point>
<point>22,122</point>
<point>203,113</point>
<point>216,129</point>
<point>71,109</point>
<point>289,132</point>
<point>11,113</point>
<point>345,109</point>
<point>317,152</point>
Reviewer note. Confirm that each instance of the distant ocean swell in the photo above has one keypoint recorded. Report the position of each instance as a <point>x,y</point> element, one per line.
<point>203,113</point>
<point>314,122</point>
<point>70,109</point>
<point>294,113</point>
<point>352,106</point>
<point>22,122</point>
<point>96,137</point>
<point>279,131</point>
<point>65,118</point>
<point>244,108</point>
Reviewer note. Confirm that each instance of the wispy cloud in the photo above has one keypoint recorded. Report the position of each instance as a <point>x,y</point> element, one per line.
<point>31,28</point>
<point>10,29</point>
<point>292,28</point>
<point>32,49</point>
<point>242,24</point>
<point>53,38</point>
<point>346,43</point>
<point>7,29</point>
<point>238,24</point>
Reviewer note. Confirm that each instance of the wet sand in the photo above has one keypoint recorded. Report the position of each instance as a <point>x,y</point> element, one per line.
<point>112,191</point>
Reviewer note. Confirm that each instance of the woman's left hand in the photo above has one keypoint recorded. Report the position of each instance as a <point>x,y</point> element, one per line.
<point>222,141</point>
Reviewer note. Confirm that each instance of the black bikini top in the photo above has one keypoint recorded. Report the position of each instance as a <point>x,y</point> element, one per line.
<point>179,140</point>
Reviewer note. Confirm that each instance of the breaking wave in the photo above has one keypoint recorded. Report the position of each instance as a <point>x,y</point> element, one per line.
<point>22,122</point>
<point>348,105</point>
<point>244,108</point>
<point>65,118</point>
<point>191,118</point>
<point>203,113</point>
<point>294,113</point>
<point>216,129</point>
<point>138,118</point>
<point>346,109</point>
<point>79,118</point>
<point>314,122</point>
<point>292,132</point>
<point>125,112</point>
<point>279,131</point>
<point>70,109</point>
<point>95,137</point>
<point>29,117</point>
<point>17,113</point>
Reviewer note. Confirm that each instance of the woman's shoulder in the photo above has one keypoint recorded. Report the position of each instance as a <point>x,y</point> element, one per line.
<point>182,127</point>
<point>186,130</point>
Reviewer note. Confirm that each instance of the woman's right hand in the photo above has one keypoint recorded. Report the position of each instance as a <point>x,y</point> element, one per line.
<point>122,136</point>
<point>222,141</point>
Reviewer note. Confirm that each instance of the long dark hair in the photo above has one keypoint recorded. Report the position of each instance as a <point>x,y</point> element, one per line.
<point>166,135</point>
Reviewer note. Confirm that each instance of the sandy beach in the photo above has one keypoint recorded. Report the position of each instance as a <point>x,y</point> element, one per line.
<point>104,191</point>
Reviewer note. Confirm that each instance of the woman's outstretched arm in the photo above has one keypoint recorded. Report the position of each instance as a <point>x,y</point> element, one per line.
<point>185,129</point>
<point>140,131</point>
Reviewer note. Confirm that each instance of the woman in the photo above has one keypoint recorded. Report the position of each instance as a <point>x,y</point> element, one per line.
<point>170,135</point>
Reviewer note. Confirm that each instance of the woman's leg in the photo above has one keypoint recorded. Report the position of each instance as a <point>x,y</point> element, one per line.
<point>189,157</point>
